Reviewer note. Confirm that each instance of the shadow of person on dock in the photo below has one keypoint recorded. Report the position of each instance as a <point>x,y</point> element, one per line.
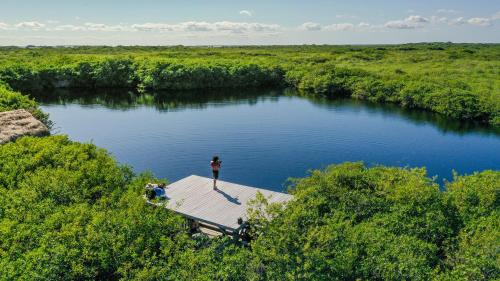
<point>229,198</point>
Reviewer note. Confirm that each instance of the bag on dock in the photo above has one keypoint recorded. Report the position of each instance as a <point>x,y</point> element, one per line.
<point>155,190</point>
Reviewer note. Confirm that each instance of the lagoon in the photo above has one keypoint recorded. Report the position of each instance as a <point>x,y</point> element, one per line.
<point>266,136</point>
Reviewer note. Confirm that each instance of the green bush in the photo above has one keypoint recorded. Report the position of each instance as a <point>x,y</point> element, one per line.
<point>464,84</point>
<point>458,103</point>
<point>68,211</point>
<point>351,222</point>
<point>477,253</point>
<point>170,76</point>
<point>476,196</point>
<point>10,100</point>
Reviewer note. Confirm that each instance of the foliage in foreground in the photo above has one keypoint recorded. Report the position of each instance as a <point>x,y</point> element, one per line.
<point>352,222</point>
<point>10,100</point>
<point>457,80</point>
<point>69,212</point>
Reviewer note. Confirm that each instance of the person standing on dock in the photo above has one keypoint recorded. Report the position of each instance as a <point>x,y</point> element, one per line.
<point>215,164</point>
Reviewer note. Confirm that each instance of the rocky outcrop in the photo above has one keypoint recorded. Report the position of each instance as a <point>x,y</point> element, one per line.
<point>18,123</point>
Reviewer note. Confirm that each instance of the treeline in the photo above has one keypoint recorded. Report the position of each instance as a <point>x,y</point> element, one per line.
<point>68,211</point>
<point>460,81</point>
<point>455,101</point>
<point>129,74</point>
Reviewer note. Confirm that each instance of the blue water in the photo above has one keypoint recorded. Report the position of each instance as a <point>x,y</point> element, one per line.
<point>264,137</point>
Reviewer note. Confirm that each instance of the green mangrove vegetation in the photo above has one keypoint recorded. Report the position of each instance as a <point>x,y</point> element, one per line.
<point>457,80</point>
<point>11,100</point>
<point>68,211</point>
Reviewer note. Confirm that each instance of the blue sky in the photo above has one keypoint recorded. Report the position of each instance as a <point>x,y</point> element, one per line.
<point>155,22</point>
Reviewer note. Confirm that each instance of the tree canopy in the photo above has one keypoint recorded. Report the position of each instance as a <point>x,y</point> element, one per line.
<point>69,211</point>
<point>457,80</point>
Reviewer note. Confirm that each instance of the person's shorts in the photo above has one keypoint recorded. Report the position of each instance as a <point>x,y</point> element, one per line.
<point>215,174</point>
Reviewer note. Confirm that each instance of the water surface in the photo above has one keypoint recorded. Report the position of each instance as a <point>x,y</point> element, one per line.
<point>263,136</point>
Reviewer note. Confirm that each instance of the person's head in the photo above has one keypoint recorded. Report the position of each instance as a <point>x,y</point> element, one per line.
<point>215,158</point>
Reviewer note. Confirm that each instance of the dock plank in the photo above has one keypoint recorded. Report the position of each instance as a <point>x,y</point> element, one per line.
<point>195,198</point>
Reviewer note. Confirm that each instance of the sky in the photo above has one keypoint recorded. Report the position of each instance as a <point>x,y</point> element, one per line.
<point>257,22</point>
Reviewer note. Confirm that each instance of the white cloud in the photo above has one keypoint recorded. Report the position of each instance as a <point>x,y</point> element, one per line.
<point>153,27</point>
<point>310,26</point>
<point>479,21</point>
<point>364,25</point>
<point>190,26</point>
<point>416,19</point>
<point>439,20</point>
<point>196,26</point>
<point>236,27</point>
<point>103,27</point>
<point>457,21</point>
<point>33,25</point>
<point>340,27</point>
<point>410,22</point>
<point>4,26</point>
<point>399,24</point>
<point>69,27</point>
<point>98,27</point>
<point>239,27</point>
<point>245,13</point>
<point>222,26</point>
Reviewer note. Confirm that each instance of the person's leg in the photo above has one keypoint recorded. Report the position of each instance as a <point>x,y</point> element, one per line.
<point>216,176</point>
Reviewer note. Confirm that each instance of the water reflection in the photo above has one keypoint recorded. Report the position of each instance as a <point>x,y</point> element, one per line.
<point>266,136</point>
<point>415,116</point>
<point>120,99</point>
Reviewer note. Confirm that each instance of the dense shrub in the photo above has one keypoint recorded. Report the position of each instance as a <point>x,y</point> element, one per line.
<point>169,76</point>
<point>68,211</point>
<point>475,196</point>
<point>476,254</point>
<point>115,73</point>
<point>463,84</point>
<point>10,100</point>
<point>458,103</point>
<point>351,222</point>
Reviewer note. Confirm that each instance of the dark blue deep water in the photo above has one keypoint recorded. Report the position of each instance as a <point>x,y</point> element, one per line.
<point>264,137</point>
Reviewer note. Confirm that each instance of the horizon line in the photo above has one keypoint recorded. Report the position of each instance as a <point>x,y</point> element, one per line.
<point>245,45</point>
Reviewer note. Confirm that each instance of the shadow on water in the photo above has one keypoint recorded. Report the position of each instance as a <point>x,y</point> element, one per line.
<point>167,101</point>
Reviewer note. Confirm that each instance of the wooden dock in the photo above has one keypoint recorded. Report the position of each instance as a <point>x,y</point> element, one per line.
<point>219,210</point>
